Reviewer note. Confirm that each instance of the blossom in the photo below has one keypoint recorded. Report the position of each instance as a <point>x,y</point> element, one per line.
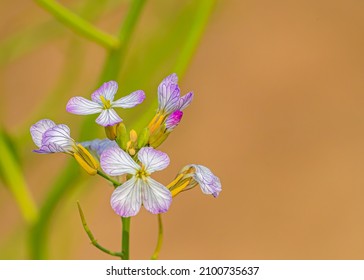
<point>193,175</point>
<point>169,99</point>
<point>55,138</point>
<point>208,182</point>
<point>103,103</point>
<point>52,138</point>
<point>98,146</point>
<point>127,199</point>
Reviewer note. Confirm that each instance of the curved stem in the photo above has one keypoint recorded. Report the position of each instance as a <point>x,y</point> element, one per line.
<point>92,238</point>
<point>114,182</point>
<point>16,183</point>
<point>160,238</point>
<point>125,221</point>
<point>78,24</point>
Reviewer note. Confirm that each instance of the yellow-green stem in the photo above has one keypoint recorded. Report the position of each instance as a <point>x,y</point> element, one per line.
<point>16,183</point>
<point>160,238</point>
<point>78,24</point>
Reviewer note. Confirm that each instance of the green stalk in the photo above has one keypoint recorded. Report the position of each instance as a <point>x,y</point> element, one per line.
<point>16,183</point>
<point>159,240</point>
<point>78,24</point>
<point>125,237</point>
<point>92,238</point>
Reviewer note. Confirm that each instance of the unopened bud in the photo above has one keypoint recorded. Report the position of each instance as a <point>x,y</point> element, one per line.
<point>110,131</point>
<point>121,136</point>
<point>143,138</point>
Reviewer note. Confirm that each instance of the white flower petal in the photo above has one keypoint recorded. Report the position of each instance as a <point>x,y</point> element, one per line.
<point>114,161</point>
<point>107,90</point>
<point>98,146</point>
<point>185,101</point>
<point>130,100</point>
<point>126,199</point>
<point>58,139</point>
<point>209,183</point>
<point>168,94</point>
<point>153,160</point>
<point>82,106</point>
<point>108,117</point>
<point>156,197</point>
<point>37,130</point>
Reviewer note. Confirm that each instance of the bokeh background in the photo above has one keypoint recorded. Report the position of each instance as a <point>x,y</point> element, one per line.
<point>277,115</point>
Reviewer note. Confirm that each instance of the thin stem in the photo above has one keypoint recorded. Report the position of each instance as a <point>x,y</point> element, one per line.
<point>13,176</point>
<point>102,174</point>
<point>92,238</point>
<point>78,24</point>
<point>125,221</point>
<point>160,238</point>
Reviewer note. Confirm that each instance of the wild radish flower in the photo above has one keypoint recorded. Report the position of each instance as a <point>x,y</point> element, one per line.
<point>53,138</point>
<point>127,199</point>
<point>103,103</point>
<point>169,99</point>
<point>169,113</point>
<point>193,175</point>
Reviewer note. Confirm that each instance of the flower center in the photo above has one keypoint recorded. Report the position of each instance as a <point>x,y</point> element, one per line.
<point>142,174</point>
<point>105,102</point>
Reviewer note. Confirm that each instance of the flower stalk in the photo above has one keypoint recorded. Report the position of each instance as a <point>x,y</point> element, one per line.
<point>92,238</point>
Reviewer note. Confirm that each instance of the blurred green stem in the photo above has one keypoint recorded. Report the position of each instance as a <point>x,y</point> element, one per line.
<point>78,24</point>
<point>200,20</point>
<point>160,238</point>
<point>71,173</point>
<point>16,183</point>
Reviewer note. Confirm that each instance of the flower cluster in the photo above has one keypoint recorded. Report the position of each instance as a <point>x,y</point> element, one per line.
<point>128,155</point>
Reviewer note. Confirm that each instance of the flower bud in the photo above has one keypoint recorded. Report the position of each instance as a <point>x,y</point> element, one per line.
<point>122,136</point>
<point>143,138</point>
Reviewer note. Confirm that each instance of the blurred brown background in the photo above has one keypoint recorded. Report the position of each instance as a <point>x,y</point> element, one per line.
<point>277,115</point>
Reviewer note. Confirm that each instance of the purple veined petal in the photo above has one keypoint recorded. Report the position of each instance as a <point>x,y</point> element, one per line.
<point>173,120</point>
<point>37,130</point>
<point>82,106</point>
<point>152,159</point>
<point>156,197</point>
<point>126,199</point>
<point>168,94</point>
<point>99,145</point>
<point>57,139</point>
<point>108,117</point>
<point>209,183</point>
<point>168,98</point>
<point>185,101</point>
<point>130,100</point>
<point>171,79</point>
<point>114,161</point>
<point>107,90</point>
